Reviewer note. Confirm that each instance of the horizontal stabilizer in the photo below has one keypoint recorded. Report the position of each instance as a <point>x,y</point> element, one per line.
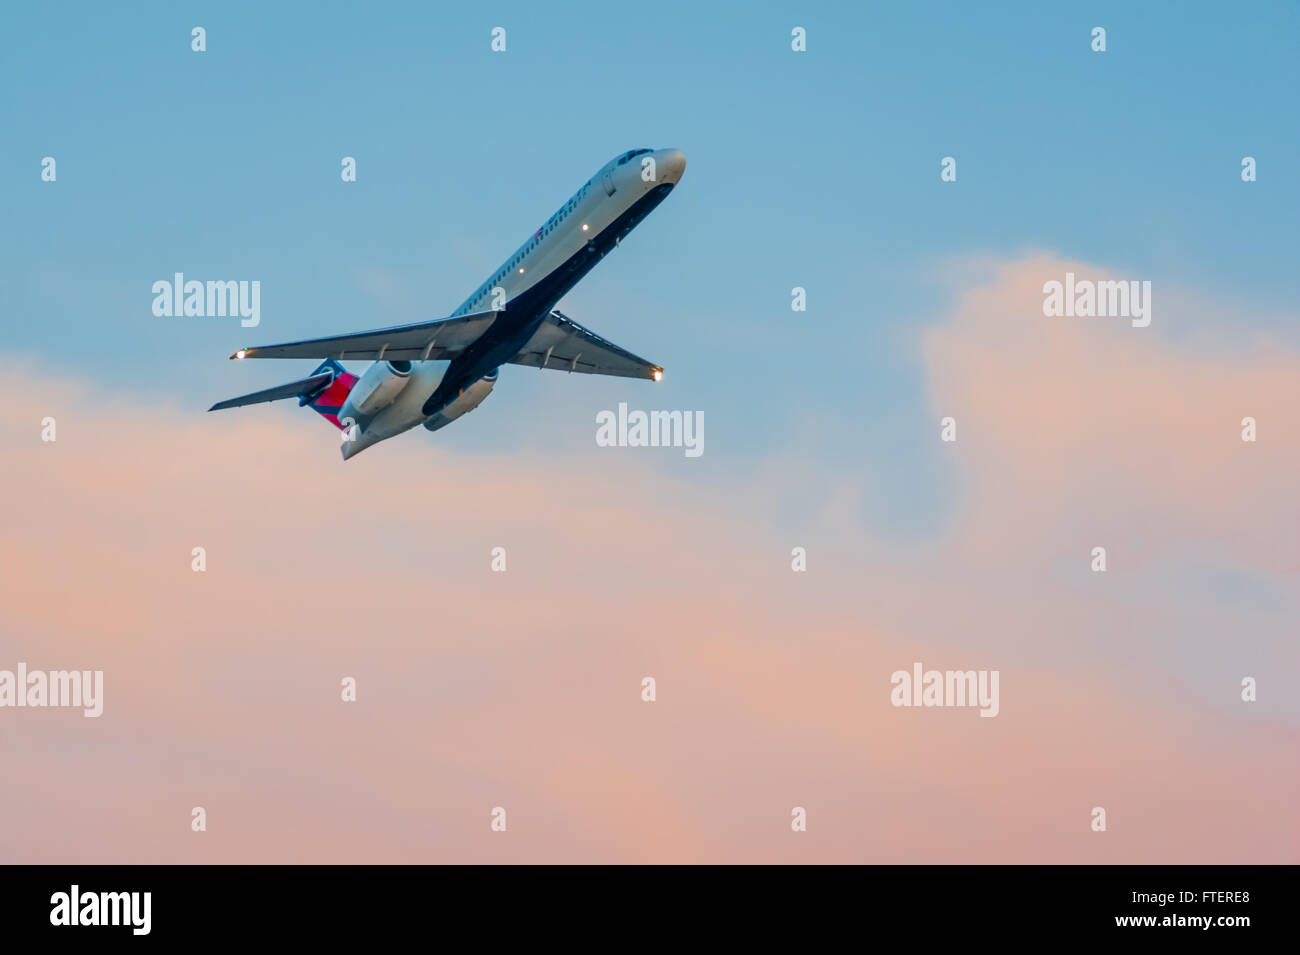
<point>294,389</point>
<point>423,341</point>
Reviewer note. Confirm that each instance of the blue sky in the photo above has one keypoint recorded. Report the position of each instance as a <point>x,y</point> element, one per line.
<point>818,169</point>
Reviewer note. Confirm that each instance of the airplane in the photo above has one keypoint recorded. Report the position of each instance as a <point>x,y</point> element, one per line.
<point>432,373</point>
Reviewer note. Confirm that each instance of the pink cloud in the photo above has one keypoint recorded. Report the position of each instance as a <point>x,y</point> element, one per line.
<point>522,689</point>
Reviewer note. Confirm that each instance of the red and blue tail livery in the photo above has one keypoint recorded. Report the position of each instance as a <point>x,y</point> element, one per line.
<point>329,401</point>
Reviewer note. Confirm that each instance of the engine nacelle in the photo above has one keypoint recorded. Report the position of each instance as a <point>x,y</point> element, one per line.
<point>465,402</point>
<point>376,389</point>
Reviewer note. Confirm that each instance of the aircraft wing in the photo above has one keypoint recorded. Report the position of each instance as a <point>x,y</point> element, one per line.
<point>563,344</point>
<point>294,389</point>
<point>422,341</point>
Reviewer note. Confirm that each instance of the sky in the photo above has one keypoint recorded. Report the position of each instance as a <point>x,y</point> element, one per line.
<point>818,169</point>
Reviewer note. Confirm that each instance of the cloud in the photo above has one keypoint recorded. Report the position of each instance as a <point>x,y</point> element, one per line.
<point>522,689</point>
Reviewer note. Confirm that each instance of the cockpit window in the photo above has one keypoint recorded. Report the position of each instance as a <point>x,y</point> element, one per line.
<point>628,155</point>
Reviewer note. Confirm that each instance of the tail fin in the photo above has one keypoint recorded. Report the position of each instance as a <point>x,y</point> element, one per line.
<point>329,402</point>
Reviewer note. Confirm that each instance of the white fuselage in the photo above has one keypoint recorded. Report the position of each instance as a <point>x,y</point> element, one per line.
<point>539,269</point>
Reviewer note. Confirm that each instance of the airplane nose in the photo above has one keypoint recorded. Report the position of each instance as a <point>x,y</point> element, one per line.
<point>671,163</point>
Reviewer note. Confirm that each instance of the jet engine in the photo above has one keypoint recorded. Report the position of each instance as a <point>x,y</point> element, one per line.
<point>376,389</point>
<point>464,403</point>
